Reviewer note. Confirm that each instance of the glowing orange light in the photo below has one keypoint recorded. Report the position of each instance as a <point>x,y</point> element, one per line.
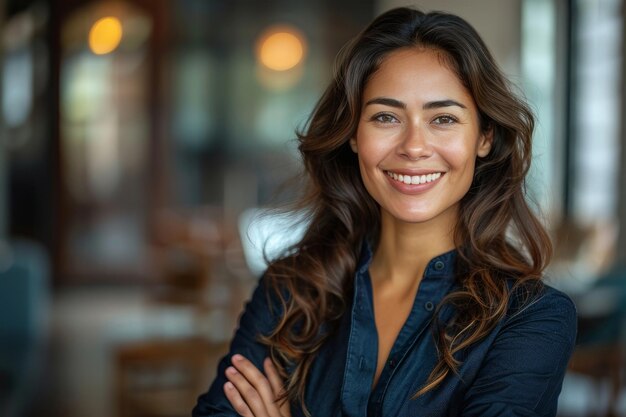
<point>105,35</point>
<point>281,49</point>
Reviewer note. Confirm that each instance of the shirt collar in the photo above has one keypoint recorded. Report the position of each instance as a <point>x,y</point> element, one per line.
<point>441,266</point>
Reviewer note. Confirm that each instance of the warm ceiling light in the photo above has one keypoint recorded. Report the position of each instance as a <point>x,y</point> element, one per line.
<point>281,49</point>
<point>105,35</point>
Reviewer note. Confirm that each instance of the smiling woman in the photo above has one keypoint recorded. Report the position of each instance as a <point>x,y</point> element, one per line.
<point>416,288</point>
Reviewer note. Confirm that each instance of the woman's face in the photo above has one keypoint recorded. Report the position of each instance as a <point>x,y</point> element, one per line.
<point>418,137</point>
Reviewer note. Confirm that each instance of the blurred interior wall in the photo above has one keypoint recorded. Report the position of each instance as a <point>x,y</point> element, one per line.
<point>3,157</point>
<point>498,22</point>
<point>620,252</point>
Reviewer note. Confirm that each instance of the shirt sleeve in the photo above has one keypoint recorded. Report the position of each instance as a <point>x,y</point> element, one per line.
<point>522,374</point>
<point>258,318</point>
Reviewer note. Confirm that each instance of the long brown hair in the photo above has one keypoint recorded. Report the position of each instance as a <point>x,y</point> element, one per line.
<point>498,238</point>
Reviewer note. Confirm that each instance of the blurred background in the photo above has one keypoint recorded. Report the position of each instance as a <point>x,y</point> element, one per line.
<point>139,138</point>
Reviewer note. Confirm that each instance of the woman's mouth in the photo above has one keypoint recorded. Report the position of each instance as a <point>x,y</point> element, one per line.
<point>414,179</point>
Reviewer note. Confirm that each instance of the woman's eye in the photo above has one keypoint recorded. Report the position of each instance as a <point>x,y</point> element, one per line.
<point>384,118</point>
<point>444,120</point>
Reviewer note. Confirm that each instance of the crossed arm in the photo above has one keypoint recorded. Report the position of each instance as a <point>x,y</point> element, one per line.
<point>251,393</point>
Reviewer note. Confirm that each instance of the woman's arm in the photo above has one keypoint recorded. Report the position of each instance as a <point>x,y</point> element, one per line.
<point>258,318</point>
<point>523,372</point>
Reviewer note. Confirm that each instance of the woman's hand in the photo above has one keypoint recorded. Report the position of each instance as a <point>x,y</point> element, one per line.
<point>252,394</point>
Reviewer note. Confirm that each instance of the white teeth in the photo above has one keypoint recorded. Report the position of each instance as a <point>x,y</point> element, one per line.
<point>414,179</point>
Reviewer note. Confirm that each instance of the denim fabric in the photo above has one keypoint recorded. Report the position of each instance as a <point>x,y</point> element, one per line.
<point>517,370</point>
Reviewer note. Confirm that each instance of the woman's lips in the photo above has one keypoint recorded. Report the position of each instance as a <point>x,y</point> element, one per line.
<point>414,184</point>
<point>414,179</point>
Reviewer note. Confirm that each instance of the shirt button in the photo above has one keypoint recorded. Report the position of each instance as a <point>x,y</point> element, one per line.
<point>439,265</point>
<point>429,306</point>
<point>392,363</point>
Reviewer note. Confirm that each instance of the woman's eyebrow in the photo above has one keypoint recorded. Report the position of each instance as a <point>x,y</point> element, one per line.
<point>385,101</point>
<point>392,102</point>
<point>442,103</point>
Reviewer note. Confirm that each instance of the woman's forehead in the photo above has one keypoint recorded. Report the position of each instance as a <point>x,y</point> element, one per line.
<point>416,73</point>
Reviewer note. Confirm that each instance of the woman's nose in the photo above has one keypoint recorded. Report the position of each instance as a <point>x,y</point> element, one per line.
<point>415,144</point>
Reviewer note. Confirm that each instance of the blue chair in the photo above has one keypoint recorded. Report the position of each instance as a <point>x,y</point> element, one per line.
<point>24,301</point>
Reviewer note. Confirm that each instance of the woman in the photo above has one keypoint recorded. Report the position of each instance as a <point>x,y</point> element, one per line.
<point>416,289</point>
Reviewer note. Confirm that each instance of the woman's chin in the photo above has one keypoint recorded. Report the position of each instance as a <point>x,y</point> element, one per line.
<point>421,215</point>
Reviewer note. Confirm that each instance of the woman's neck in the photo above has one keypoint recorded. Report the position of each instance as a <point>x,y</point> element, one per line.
<point>404,249</point>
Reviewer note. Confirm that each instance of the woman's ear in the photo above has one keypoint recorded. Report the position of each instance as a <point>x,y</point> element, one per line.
<point>353,145</point>
<point>485,142</point>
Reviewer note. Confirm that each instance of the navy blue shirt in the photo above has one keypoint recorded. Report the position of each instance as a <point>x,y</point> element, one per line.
<point>517,370</point>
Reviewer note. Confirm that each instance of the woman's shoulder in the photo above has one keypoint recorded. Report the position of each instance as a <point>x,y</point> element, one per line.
<point>539,294</point>
<point>538,305</point>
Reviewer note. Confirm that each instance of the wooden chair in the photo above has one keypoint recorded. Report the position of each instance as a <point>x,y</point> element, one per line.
<point>159,377</point>
<point>163,378</point>
<point>603,364</point>
<point>601,359</point>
